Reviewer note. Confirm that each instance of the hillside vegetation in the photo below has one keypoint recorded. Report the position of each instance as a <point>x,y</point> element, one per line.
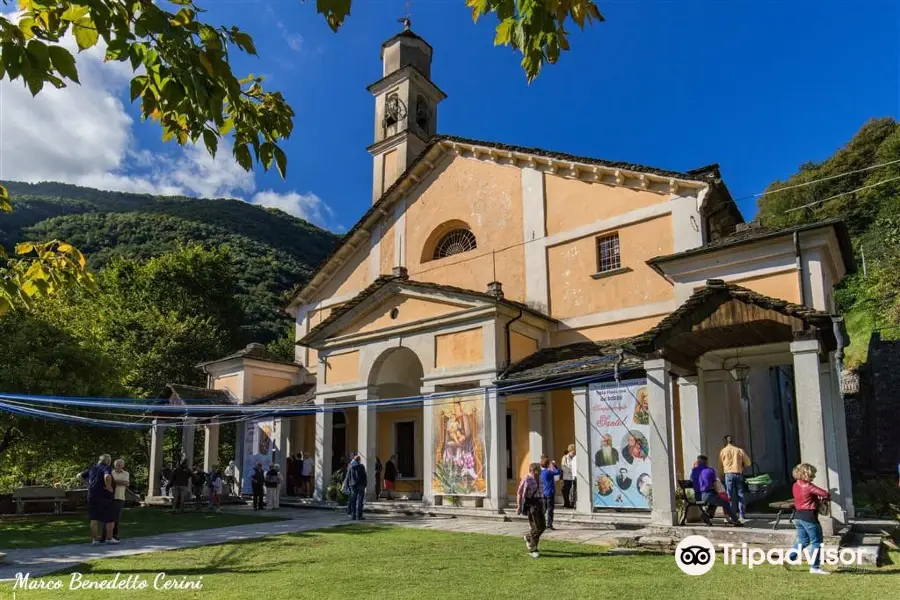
<point>869,200</point>
<point>271,251</point>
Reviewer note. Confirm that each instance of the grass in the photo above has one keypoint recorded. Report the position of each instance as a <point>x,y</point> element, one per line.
<point>387,562</point>
<point>52,530</point>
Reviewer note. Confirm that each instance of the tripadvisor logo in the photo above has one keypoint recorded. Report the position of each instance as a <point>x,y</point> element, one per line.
<point>696,555</point>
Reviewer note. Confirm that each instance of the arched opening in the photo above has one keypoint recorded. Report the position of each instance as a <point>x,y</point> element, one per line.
<point>449,238</point>
<point>398,373</point>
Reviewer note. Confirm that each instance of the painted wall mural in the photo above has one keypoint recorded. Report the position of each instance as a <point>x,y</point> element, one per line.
<point>620,429</point>
<point>459,446</point>
<point>259,446</point>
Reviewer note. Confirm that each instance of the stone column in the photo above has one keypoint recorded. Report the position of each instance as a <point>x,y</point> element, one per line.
<point>188,431</point>
<point>324,425</point>
<point>366,433</point>
<point>157,438</point>
<point>840,432</point>
<point>810,418</point>
<point>428,445</point>
<point>536,426</point>
<point>495,432</point>
<point>691,422</point>
<point>211,446</point>
<point>283,427</point>
<point>662,462</point>
<point>584,497</point>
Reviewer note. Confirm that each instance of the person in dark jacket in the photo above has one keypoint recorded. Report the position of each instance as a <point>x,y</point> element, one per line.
<point>198,480</point>
<point>356,483</point>
<point>258,485</point>
<point>181,481</point>
<point>378,480</point>
<point>390,476</point>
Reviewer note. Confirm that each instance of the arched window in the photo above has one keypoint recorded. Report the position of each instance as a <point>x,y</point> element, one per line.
<point>456,241</point>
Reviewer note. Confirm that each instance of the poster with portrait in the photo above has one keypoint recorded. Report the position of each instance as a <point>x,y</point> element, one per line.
<point>459,453</point>
<point>620,432</point>
<point>259,446</point>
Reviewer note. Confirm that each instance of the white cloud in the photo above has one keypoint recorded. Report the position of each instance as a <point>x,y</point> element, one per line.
<point>304,206</point>
<point>83,135</point>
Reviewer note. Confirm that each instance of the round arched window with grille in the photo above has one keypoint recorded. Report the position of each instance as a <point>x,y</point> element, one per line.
<point>455,242</point>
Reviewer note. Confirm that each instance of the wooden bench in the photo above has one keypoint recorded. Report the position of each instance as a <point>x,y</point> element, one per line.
<point>38,493</point>
<point>781,507</point>
<point>685,485</point>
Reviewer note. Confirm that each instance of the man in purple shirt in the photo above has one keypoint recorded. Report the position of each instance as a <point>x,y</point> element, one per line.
<point>703,480</point>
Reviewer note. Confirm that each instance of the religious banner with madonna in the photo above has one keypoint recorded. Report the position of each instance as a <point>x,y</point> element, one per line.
<point>459,446</point>
<point>259,446</point>
<point>620,430</point>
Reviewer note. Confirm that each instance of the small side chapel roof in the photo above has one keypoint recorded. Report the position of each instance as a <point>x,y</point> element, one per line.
<point>706,175</point>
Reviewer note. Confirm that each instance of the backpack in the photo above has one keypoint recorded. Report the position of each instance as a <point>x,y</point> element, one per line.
<point>272,479</point>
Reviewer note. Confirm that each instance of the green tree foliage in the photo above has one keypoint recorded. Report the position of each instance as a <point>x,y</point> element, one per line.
<point>37,357</point>
<point>270,251</point>
<point>149,324</point>
<point>869,201</point>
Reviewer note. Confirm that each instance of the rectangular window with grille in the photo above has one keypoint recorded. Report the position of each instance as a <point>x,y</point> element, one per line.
<point>405,448</point>
<point>608,253</point>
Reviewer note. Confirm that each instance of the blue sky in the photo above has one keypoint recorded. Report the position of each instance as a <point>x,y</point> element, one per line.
<point>759,87</point>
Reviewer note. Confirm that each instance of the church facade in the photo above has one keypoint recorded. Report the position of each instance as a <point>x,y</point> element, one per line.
<point>497,303</point>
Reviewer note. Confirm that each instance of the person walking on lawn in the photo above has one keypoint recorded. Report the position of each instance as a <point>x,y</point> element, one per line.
<point>733,461</point>
<point>549,473</point>
<point>99,498</point>
<point>258,484</point>
<point>703,480</point>
<point>357,481</point>
<point>121,479</point>
<point>528,502</point>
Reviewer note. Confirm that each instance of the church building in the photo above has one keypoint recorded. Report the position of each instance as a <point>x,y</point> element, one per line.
<point>498,303</point>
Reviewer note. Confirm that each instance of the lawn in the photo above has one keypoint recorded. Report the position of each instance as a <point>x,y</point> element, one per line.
<point>52,530</point>
<point>385,562</point>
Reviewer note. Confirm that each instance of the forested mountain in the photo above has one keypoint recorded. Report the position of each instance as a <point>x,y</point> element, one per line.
<point>860,183</point>
<point>270,250</point>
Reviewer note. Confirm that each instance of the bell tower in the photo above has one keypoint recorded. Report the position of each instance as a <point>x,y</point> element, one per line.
<point>405,107</point>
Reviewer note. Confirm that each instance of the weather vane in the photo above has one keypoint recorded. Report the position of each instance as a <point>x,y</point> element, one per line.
<point>407,22</point>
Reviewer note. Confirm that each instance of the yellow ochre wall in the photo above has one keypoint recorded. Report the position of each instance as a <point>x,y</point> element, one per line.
<point>459,348</point>
<point>303,432</point>
<point>488,197</point>
<point>611,331</point>
<point>563,425</point>
<point>521,346</point>
<point>785,285</point>
<point>518,407</point>
<point>385,443</point>
<point>232,383</point>
<point>573,292</point>
<point>409,310</point>
<point>571,203</point>
<point>342,368</point>
<point>260,385</point>
<point>386,245</point>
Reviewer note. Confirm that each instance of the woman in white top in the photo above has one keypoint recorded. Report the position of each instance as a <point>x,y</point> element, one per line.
<point>569,476</point>
<point>120,479</point>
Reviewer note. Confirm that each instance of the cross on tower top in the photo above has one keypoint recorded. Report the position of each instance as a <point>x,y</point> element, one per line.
<point>407,22</point>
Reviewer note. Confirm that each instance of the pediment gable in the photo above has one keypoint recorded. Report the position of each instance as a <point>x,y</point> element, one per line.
<point>401,308</point>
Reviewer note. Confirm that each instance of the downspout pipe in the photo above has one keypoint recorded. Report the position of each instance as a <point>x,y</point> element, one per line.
<point>508,335</point>
<point>799,261</point>
<point>840,336</point>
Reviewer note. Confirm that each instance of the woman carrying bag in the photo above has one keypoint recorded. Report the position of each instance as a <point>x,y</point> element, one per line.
<point>809,502</point>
